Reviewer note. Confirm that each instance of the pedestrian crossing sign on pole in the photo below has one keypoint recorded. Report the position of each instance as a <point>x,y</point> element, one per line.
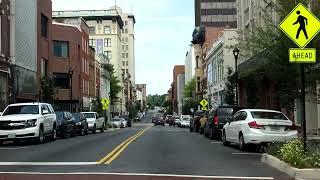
<point>301,26</point>
<point>105,103</point>
<point>204,104</point>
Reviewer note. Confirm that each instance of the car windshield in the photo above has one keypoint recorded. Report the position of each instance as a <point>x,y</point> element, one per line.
<point>186,119</point>
<point>22,109</point>
<point>115,119</point>
<point>225,111</point>
<point>268,115</point>
<point>59,115</point>
<point>88,115</point>
<point>76,116</point>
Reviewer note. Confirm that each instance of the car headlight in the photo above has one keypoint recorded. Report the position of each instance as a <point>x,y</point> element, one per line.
<point>31,123</point>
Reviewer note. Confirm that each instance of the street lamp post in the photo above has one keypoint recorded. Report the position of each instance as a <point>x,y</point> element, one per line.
<point>236,56</point>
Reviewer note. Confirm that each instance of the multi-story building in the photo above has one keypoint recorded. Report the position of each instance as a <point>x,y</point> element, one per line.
<point>4,53</point>
<point>219,58</point>
<point>180,92</point>
<point>30,47</point>
<point>216,13</point>
<point>190,64</point>
<point>143,89</point>
<point>70,65</point>
<point>105,30</point>
<point>178,69</point>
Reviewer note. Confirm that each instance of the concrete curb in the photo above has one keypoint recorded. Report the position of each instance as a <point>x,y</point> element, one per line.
<point>272,161</point>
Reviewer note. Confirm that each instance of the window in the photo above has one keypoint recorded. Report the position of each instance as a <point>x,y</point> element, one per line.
<point>198,84</point>
<point>123,55</point>
<point>123,63</point>
<point>122,39</point>
<point>122,31</point>
<point>268,115</point>
<point>92,30</point>
<point>126,39</point>
<point>92,42</point>
<point>127,48</point>
<point>126,31</point>
<point>123,47</point>
<point>61,80</point>
<point>108,54</point>
<point>197,61</point>
<point>107,42</point>
<point>127,71</point>
<point>127,55</point>
<point>61,49</point>
<point>44,67</point>
<point>44,26</point>
<point>243,116</point>
<point>107,30</point>
<point>127,63</point>
<point>125,23</point>
<point>123,71</point>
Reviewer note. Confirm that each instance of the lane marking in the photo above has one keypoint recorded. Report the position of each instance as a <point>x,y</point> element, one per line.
<point>116,151</point>
<point>244,153</point>
<point>215,142</point>
<point>46,163</point>
<point>12,148</point>
<point>142,174</point>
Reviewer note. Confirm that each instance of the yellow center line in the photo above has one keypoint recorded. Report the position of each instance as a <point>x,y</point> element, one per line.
<point>116,151</point>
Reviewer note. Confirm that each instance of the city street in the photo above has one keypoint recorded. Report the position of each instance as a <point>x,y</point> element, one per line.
<point>156,150</point>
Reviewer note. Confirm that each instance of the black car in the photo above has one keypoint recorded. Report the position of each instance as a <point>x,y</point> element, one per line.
<point>82,123</point>
<point>153,119</point>
<point>66,124</point>
<point>159,121</point>
<point>195,121</point>
<point>217,118</point>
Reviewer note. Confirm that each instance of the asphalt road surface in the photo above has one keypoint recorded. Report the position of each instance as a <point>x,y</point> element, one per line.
<point>140,152</point>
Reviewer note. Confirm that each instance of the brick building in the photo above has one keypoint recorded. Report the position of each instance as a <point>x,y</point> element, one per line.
<point>4,52</point>
<point>178,69</point>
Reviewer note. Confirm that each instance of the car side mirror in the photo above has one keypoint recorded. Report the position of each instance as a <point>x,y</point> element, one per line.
<point>45,112</point>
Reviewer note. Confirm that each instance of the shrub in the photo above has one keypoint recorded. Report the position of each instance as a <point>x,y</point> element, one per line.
<point>292,152</point>
<point>274,148</point>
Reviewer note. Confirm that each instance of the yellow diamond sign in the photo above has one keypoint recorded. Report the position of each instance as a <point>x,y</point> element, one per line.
<point>204,102</point>
<point>301,26</point>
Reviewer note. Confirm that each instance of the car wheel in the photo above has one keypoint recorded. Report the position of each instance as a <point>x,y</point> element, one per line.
<point>242,145</point>
<point>94,129</point>
<point>86,131</point>
<point>102,128</point>
<point>224,139</point>
<point>40,138</point>
<point>53,136</point>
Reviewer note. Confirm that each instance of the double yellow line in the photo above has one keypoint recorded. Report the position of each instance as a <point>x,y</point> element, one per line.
<point>116,152</point>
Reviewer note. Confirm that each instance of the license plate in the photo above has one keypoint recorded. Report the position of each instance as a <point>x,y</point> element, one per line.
<point>11,136</point>
<point>275,128</point>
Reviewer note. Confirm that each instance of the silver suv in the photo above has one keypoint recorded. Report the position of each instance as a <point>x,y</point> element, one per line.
<point>32,121</point>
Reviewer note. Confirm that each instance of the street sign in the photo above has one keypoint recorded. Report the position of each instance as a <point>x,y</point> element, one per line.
<point>297,55</point>
<point>105,103</point>
<point>204,102</point>
<point>301,26</point>
<point>204,108</point>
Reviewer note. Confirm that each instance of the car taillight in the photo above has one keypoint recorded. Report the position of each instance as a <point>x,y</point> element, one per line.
<point>291,128</point>
<point>216,120</point>
<point>255,125</point>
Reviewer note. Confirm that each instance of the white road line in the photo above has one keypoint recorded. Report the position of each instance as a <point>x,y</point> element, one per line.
<point>141,174</point>
<point>216,142</point>
<point>12,148</point>
<point>46,163</point>
<point>244,153</point>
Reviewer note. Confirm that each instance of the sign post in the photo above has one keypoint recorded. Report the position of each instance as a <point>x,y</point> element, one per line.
<point>301,26</point>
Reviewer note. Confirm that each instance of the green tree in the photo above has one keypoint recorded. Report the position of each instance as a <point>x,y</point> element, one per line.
<point>97,106</point>
<point>47,89</point>
<point>190,88</point>
<point>115,88</point>
<point>188,104</point>
<point>156,100</point>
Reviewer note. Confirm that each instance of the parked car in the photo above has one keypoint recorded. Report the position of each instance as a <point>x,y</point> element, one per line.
<point>217,118</point>
<point>195,121</point>
<point>258,126</point>
<point>177,121</point>
<point>124,122</point>
<point>171,121</point>
<point>128,120</point>
<point>66,124</point>
<point>117,122</point>
<point>0,113</point>
<point>185,122</point>
<point>94,121</point>
<point>153,119</point>
<point>82,123</point>
<point>159,121</point>
<point>168,117</point>
<point>32,121</point>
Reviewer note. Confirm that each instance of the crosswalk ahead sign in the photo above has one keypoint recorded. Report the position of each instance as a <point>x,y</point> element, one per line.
<point>105,103</point>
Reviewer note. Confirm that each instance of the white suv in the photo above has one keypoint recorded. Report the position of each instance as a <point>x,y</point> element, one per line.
<point>94,121</point>
<point>32,121</point>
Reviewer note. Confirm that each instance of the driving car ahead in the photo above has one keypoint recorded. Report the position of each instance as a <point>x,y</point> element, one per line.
<point>185,122</point>
<point>217,118</point>
<point>94,121</point>
<point>257,126</point>
<point>159,121</point>
<point>82,123</point>
<point>117,122</point>
<point>33,121</point>
<point>66,124</point>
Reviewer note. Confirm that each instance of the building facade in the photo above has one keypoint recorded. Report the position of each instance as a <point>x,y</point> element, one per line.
<point>190,64</point>
<point>143,89</point>
<point>178,69</point>
<point>216,13</point>
<point>4,53</point>
<point>30,45</point>
<point>180,92</point>
<point>219,58</point>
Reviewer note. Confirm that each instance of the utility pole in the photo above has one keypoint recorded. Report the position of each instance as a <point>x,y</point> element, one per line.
<point>303,103</point>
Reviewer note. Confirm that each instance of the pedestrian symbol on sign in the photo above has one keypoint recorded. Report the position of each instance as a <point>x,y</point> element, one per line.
<point>303,21</point>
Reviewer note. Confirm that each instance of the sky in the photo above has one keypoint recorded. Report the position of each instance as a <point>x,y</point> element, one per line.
<point>163,32</point>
